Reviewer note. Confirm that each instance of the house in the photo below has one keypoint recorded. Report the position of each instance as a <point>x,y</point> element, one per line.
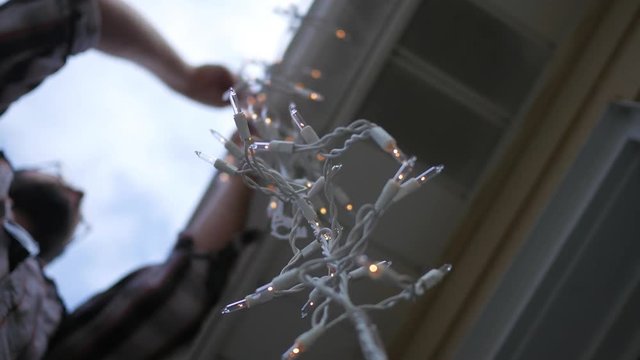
<point>533,108</point>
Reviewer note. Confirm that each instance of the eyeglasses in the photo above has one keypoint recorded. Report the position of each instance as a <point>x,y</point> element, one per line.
<point>82,230</point>
<point>52,168</point>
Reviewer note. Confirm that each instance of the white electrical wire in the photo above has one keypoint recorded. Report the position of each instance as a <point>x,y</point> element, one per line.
<point>333,250</point>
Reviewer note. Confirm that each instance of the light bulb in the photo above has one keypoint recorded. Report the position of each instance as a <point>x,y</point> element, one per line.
<point>332,270</point>
<point>381,270</point>
<point>303,342</point>
<point>235,306</point>
<point>314,299</point>
<point>205,157</point>
<point>242,124</point>
<point>398,154</point>
<point>414,184</point>
<point>262,295</point>
<point>429,174</point>
<point>259,146</point>
<point>315,96</point>
<point>307,308</point>
<point>374,271</point>
<point>325,234</point>
<point>219,137</point>
<point>308,134</point>
<point>235,103</point>
<point>334,170</point>
<point>218,164</point>
<point>274,207</point>
<point>341,34</point>
<point>315,73</point>
<point>405,169</point>
<point>349,207</point>
<point>306,92</point>
<point>296,117</point>
<point>231,147</point>
<point>368,268</point>
<point>446,268</point>
<point>293,352</point>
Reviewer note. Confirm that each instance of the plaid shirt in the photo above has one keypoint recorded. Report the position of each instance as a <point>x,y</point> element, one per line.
<point>30,311</point>
<point>150,312</point>
<point>37,36</point>
<point>146,315</point>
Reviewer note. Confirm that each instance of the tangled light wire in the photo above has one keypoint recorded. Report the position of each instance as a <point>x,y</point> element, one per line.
<point>326,258</point>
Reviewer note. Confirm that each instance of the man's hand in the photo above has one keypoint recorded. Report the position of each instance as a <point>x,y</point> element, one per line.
<point>207,83</point>
<point>126,34</point>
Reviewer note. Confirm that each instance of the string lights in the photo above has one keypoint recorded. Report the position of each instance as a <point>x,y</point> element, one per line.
<point>285,159</point>
<point>327,256</point>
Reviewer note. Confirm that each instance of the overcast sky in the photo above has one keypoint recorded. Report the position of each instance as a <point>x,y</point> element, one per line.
<point>128,142</point>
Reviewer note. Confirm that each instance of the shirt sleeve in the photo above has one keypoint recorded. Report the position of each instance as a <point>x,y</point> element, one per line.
<point>151,311</point>
<point>36,38</point>
<point>86,24</point>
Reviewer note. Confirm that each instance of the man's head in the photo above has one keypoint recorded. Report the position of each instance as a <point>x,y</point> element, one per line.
<point>47,207</point>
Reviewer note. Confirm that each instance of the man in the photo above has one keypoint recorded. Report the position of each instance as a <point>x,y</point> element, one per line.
<point>155,308</point>
<point>37,37</point>
<point>30,309</point>
<point>145,315</point>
